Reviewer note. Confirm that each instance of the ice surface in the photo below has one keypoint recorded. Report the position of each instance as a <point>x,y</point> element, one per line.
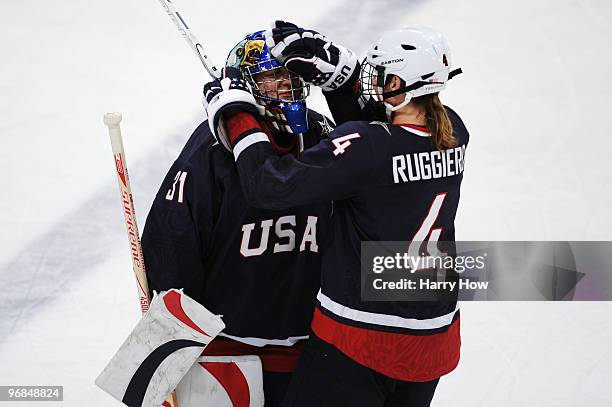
<point>535,96</point>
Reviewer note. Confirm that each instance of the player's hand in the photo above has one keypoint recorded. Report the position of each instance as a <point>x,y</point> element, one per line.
<point>311,55</point>
<point>224,97</point>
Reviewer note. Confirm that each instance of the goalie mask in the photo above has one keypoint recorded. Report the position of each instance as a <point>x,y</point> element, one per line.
<point>281,93</point>
<point>420,57</point>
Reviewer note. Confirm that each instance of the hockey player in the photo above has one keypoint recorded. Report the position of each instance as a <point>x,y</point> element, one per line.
<point>258,268</point>
<point>393,180</point>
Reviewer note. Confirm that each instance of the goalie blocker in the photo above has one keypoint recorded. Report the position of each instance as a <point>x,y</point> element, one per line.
<point>160,350</point>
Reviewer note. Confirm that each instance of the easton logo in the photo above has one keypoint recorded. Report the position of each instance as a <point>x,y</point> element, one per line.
<point>119,166</point>
<point>392,61</point>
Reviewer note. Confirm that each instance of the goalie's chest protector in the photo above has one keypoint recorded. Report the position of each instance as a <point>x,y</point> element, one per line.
<point>262,266</point>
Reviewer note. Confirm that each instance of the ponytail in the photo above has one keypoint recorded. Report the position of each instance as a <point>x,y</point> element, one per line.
<point>438,123</point>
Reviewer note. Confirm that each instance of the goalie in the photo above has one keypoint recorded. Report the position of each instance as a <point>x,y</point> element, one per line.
<point>257,268</point>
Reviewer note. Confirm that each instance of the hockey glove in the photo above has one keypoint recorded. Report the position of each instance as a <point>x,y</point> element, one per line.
<point>311,55</point>
<point>225,97</point>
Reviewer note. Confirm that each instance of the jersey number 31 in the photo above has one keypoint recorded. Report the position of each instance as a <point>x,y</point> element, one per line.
<point>180,177</point>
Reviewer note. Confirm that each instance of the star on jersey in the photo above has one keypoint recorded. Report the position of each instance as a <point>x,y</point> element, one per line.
<point>325,127</point>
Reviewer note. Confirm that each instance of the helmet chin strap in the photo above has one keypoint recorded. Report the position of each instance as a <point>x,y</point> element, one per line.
<point>389,108</point>
<point>408,91</point>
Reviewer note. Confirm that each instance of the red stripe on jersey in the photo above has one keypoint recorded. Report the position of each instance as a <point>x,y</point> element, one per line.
<point>414,126</point>
<point>264,127</point>
<point>240,123</point>
<point>281,359</point>
<point>233,381</point>
<point>399,356</point>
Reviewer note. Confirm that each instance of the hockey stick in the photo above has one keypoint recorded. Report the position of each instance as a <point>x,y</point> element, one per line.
<point>112,120</point>
<point>196,46</point>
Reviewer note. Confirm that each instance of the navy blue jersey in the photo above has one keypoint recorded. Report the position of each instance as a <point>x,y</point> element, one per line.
<point>388,183</point>
<point>258,268</point>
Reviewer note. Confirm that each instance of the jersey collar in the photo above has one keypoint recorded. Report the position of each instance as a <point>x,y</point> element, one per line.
<point>420,131</point>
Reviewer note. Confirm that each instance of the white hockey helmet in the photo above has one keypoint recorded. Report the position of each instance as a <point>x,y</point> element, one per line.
<point>420,56</point>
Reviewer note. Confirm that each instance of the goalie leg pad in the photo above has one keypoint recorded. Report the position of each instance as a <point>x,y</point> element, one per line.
<point>223,381</point>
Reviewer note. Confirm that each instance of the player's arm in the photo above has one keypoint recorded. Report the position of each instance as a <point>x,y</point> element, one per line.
<point>336,168</point>
<point>174,237</point>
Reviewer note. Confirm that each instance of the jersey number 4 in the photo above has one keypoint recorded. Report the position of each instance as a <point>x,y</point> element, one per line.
<point>427,232</point>
<point>342,143</point>
<point>180,177</point>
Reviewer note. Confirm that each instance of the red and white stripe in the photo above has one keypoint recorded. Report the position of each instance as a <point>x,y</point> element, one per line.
<point>385,319</point>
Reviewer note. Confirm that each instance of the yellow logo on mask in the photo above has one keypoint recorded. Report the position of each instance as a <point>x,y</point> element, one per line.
<point>252,52</point>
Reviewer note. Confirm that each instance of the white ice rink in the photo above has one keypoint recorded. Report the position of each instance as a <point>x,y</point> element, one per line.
<point>535,96</point>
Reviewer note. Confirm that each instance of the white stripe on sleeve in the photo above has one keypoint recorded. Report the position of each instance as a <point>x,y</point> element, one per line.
<point>385,319</point>
<point>248,141</point>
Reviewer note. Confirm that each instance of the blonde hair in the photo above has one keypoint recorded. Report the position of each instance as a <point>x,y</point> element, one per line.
<point>438,121</point>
